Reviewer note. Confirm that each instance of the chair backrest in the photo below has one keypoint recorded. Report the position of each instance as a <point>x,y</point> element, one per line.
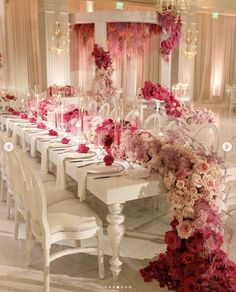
<point>129,116</point>
<point>153,123</point>
<point>16,179</point>
<point>208,135</point>
<point>36,198</point>
<point>104,110</point>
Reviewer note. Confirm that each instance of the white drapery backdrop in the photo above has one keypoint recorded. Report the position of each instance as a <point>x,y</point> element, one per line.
<point>215,64</point>
<point>23,56</point>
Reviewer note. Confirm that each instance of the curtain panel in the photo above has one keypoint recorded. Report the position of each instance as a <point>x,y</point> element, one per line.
<point>23,56</point>
<point>215,64</point>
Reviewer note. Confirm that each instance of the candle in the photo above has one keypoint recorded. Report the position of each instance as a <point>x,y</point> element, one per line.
<point>82,120</point>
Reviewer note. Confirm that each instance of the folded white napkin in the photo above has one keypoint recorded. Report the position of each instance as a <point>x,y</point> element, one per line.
<point>22,136</point>
<point>9,120</point>
<point>44,153</point>
<point>82,173</point>
<point>61,178</point>
<point>15,128</point>
<point>33,140</point>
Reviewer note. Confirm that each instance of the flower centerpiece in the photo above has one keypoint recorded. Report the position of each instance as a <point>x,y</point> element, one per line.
<point>102,87</point>
<point>66,90</point>
<point>155,91</point>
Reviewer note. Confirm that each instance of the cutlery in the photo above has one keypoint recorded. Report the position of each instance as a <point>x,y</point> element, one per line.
<point>107,176</point>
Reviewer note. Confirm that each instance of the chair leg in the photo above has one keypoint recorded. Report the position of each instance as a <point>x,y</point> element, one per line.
<point>27,227</point>
<point>30,249</point>
<point>8,205</point>
<point>100,254</point>
<point>2,189</point>
<point>46,252</point>
<point>17,223</point>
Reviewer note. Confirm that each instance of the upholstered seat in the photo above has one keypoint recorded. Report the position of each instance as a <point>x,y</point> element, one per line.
<point>76,208</point>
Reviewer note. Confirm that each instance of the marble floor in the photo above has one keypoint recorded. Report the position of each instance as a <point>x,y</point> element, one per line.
<point>145,227</point>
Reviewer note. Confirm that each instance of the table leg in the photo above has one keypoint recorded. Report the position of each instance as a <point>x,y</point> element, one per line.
<point>116,231</point>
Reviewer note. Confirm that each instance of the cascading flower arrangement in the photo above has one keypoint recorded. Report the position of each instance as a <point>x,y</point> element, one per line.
<point>152,90</point>
<point>102,87</point>
<point>194,259</point>
<point>171,33</point>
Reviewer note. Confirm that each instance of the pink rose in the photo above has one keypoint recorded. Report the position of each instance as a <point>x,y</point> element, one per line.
<point>185,229</point>
<point>108,160</point>
<point>41,126</point>
<point>52,132</point>
<point>82,148</point>
<point>197,180</point>
<point>201,167</point>
<point>65,140</point>
<point>180,184</point>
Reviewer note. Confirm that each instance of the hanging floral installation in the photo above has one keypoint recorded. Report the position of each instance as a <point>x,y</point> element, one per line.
<point>171,30</point>
<point>102,87</point>
<point>130,37</point>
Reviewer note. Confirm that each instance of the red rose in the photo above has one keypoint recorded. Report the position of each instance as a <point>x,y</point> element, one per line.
<point>188,257</point>
<point>10,110</point>
<point>52,133</point>
<point>24,116</point>
<point>10,97</point>
<point>108,160</point>
<point>16,113</point>
<point>191,284</point>
<point>32,120</point>
<point>41,126</point>
<point>65,140</point>
<point>172,240</point>
<point>82,148</point>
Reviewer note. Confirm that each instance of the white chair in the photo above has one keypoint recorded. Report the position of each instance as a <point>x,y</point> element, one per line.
<point>68,220</point>
<point>104,110</point>
<point>207,135</point>
<point>130,115</point>
<point>153,124</point>
<point>231,94</point>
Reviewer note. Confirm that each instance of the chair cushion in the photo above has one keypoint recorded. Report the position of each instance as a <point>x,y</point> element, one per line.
<point>55,195</point>
<point>75,207</point>
<point>59,222</point>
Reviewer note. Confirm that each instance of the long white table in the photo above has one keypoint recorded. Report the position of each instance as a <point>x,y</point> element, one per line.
<point>114,192</point>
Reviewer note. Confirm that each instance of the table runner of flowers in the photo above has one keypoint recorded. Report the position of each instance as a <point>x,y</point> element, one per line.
<point>194,259</point>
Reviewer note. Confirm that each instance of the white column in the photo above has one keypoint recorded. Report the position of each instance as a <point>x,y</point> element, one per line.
<point>56,68</point>
<point>101,33</point>
<point>165,72</point>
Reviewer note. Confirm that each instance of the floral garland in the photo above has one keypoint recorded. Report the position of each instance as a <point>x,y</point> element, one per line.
<point>130,37</point>
<point>151,90</point>
<point>194,260</point>
<point>102,86</point>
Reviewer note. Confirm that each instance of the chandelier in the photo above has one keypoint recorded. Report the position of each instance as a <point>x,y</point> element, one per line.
<point>60,42</point>
<point>177,7</point>
<point>190,43</point>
